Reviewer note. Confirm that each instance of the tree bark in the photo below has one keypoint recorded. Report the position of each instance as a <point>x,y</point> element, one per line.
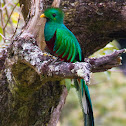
<point>94,23</point>
<point>31,94</point>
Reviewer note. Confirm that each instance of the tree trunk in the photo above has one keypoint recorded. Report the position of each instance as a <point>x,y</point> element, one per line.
<point>30,90</point>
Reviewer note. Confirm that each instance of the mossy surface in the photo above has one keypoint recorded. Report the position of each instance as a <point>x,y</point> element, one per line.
<point>29,102</point>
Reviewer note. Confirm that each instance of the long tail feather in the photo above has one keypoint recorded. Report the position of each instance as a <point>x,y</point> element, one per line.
<point>85,102</point>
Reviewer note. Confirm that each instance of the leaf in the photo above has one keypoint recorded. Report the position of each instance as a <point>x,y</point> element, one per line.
<point>18,4</point>
<point>15,17</point>
<point>1,31</point>
<point>109,48</point>
<point>67,83</point>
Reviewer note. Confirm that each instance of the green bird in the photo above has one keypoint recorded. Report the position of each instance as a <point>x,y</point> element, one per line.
<point>62,43</point>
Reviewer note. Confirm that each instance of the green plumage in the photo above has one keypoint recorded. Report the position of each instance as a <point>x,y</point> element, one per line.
<point>62,42</point>
<point>66,44</point>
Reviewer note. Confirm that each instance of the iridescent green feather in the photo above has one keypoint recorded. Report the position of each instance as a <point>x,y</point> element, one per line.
<point>57,45</point>
<point>74,53</point>
<point>61,48</point>
<point>80,57</point>
<point>67,50</point>
<point>70,51</point>
<point>68,44</point>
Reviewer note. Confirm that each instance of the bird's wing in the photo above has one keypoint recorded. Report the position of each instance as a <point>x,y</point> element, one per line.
<point>66,44</point>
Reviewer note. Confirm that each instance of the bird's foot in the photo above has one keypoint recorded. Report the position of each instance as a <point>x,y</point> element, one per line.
<point>55,60</point>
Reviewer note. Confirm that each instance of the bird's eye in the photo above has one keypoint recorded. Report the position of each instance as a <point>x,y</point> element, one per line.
<point>54,15</point>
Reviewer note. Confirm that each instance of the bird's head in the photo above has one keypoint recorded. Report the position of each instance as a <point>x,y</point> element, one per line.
<point>53,15</point>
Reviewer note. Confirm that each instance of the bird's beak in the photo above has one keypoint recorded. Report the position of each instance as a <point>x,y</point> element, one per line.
<point>42,16</point>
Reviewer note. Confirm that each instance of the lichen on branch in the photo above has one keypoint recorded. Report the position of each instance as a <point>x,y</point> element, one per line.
<point>29,77</point>
<point>26,52</point>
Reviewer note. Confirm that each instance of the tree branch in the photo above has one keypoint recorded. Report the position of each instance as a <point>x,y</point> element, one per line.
<point>45,64</point>
<point>105,62</point>
<point>25,51</point>
<point>56,3</point>
<point>31,90</point>
<point>57,111</point>
<point>10,16</point>
<point>7,14</point>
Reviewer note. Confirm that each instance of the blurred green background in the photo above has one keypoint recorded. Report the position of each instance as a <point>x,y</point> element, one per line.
<point>108,96</point>
<point>107,89</point>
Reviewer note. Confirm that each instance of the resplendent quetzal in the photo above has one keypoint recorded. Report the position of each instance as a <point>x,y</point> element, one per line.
<point>62,42</point>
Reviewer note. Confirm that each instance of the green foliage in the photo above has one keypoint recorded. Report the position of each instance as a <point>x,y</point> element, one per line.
<point>108,99</point>
<point>1,31</point>
<point>14,18</point>
<point>109,48</point>
<point>9,19</point>
<point>67,83</point>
